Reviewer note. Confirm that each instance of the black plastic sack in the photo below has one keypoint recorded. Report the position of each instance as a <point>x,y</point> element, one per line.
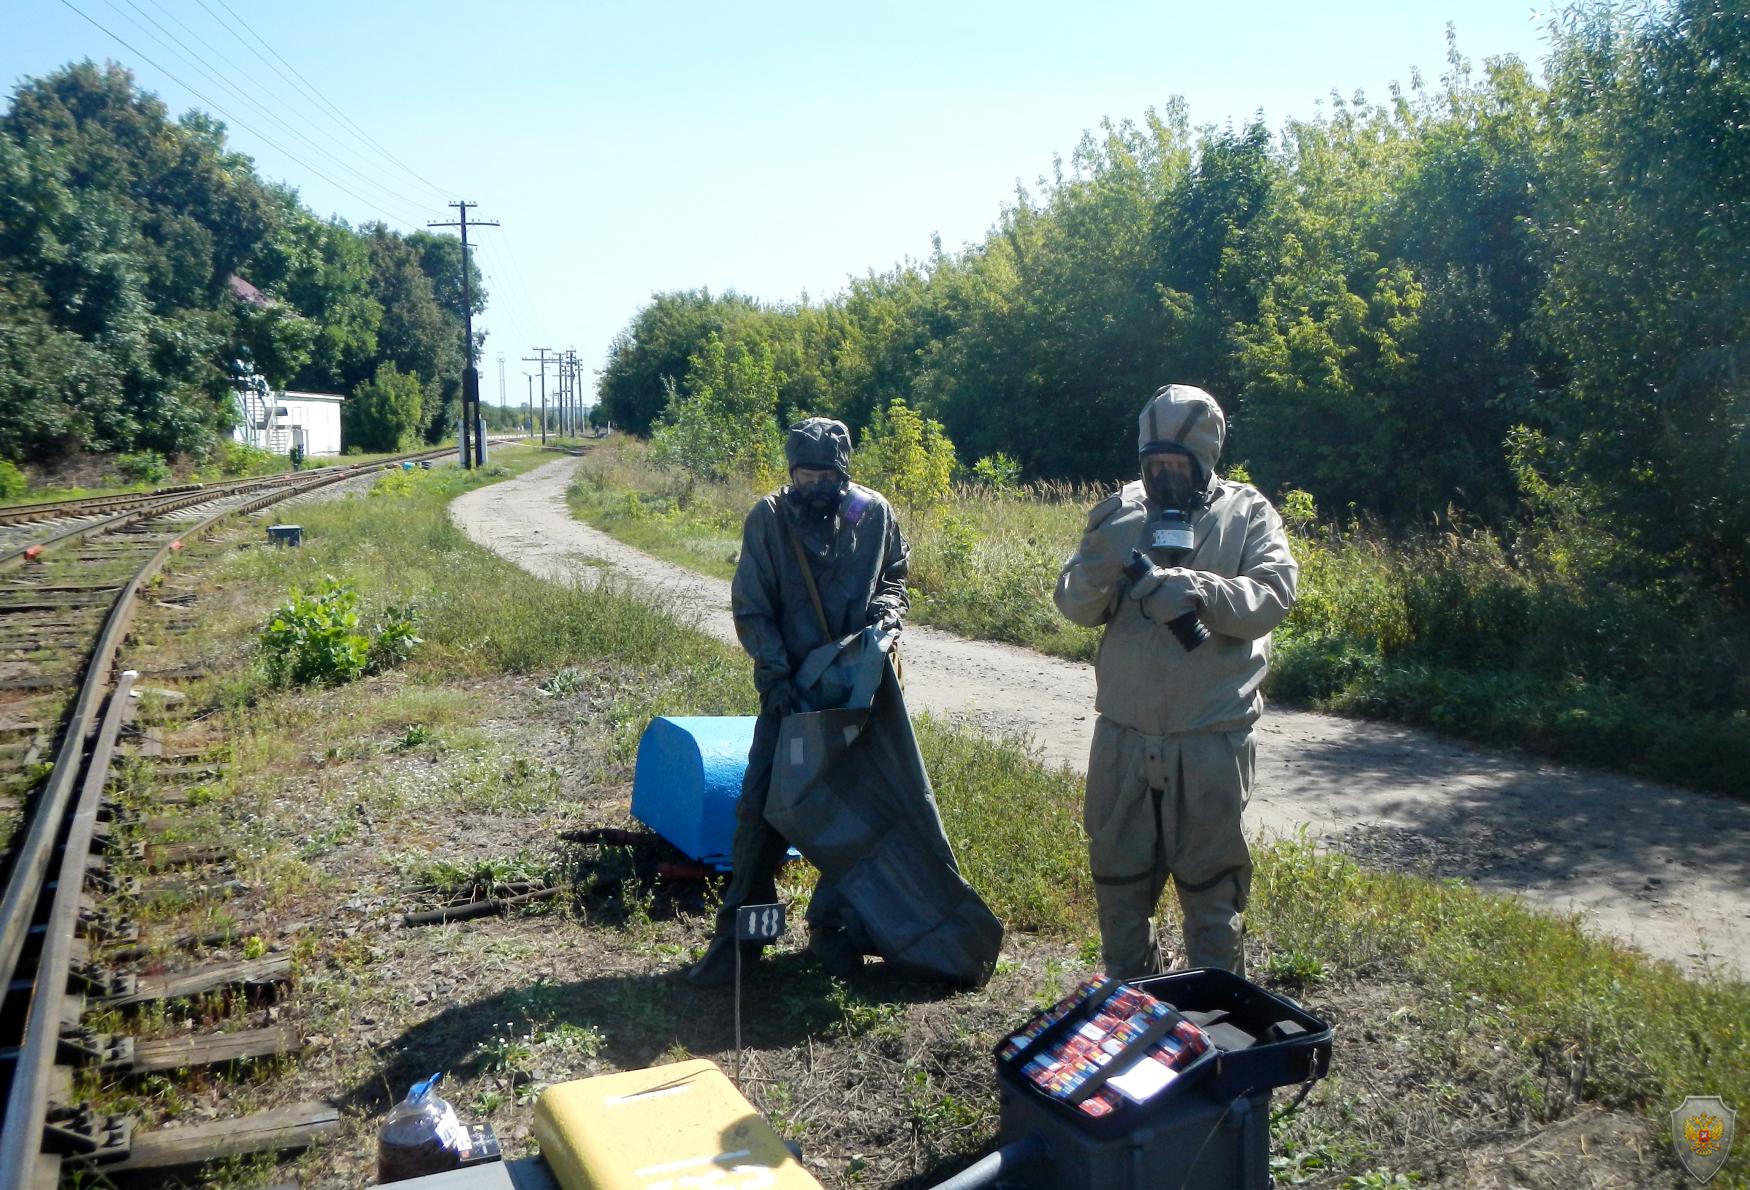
<point>850,792</point>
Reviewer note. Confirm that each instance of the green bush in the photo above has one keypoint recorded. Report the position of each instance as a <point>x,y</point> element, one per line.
<point>12,481</point>
<point>395,640</point>
<point>314,639</point>
<point>234,459</point>
<point>145,467</point>
<point>998,472</point>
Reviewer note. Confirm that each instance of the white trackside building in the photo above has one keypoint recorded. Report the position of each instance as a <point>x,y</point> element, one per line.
<point>280,421</point>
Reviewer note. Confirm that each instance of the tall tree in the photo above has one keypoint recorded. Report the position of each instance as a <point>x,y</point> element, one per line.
<point>1649,294</point>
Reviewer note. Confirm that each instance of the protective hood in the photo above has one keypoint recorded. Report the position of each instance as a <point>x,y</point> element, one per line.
<point>1180,415</point>
<point>819,442</point>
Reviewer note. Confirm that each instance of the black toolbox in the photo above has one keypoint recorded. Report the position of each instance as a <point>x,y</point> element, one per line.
<point>1289,1045</point>
<point>1209,1129</point>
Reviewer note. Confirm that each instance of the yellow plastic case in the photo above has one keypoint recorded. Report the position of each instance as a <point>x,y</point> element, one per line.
<point>662,1128</point>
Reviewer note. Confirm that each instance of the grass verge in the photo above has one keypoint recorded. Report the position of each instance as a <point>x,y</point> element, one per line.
<point>1466,1022</point>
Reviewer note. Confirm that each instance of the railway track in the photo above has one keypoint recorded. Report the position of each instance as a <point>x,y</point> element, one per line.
<point>69,595</point>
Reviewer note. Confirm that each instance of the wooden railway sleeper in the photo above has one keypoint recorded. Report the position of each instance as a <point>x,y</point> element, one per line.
<point>131,850</point>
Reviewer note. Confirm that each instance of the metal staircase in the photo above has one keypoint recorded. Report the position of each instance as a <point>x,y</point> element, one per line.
<point>259,413</point>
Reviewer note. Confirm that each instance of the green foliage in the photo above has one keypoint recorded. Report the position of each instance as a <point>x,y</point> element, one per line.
<point>1382,1179</point>
<point>1656,413</point>
<point>147,467</point>
<point>13,484</point>
<point>998,472</point>
<point>1527,641</point>
<point>313,639</point>
<point>478,879</point>
<point>722,421</point>
<point>233,459</point>
<point>141,256</point>
<point>906,456</point>
<point>384,413</point>
<point>395,639</point>
<point>401,483</point>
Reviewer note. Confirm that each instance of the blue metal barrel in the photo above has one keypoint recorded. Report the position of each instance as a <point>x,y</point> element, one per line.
<point>688,779</point>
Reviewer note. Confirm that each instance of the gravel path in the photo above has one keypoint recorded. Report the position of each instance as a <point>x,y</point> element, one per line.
<point>1664,868</point>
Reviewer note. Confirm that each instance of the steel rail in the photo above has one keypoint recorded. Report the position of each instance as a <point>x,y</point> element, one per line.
<point>46,510</point>
<point>43,510</point>
<point>21,1136</point>
<point>28,1097</point>
<point>175,499</point>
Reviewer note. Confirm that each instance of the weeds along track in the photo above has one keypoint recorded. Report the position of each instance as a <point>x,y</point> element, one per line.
<point>77,863</point>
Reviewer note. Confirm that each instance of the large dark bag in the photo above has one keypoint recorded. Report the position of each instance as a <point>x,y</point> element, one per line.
<point>850,792</point>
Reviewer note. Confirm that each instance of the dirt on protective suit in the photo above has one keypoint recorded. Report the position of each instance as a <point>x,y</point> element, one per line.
<point>1665,869</point>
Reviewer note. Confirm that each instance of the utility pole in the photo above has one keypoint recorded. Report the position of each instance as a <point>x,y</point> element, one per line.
<point>470,374</point>
<point>503,402</point>
<point>559,395</point>
<point>576,392</point>
<point>529,404</point>
<point>571,393</point>
<point>542,360</point>
<point>570,408</point>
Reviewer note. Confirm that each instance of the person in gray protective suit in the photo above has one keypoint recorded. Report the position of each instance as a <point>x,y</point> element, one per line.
<point>1172,760</point>
<point>820,558</point>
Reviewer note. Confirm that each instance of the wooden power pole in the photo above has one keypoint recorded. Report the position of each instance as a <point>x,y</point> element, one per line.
<point>472,422</point>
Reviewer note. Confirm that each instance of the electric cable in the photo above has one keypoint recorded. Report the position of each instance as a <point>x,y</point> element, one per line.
<point>166,38</point>
<point>342,187</point>
<point>351,163</point>
<point>508,306</point>
<point>312,90</point>
<point>516,290</point>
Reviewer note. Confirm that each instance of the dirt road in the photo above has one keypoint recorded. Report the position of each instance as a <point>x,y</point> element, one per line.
<point>1663,868</point>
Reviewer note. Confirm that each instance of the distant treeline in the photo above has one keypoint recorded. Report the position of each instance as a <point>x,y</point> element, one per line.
<point>140,258</point>
<point>1496,295</point>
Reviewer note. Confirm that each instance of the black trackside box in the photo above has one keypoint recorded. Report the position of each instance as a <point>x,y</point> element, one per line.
<point>1206,1128</point>
<point>1288,1045</point>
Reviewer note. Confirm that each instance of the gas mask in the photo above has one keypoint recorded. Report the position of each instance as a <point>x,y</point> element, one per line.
<point>1171,536</point>
<point>1170,488</point>
<point>818,500</point>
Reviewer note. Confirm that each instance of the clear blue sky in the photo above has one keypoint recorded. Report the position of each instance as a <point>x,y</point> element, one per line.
<point>772,148</point>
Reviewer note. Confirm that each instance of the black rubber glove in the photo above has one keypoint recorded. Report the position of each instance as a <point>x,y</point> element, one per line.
<point>779,699</point>
<point>886,620</point>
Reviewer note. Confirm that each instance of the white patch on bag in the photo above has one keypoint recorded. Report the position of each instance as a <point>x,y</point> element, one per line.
<point>796,751</point>
<point>851,733</point>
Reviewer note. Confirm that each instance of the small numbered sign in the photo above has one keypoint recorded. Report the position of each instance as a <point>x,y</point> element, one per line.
<point>759,923</point>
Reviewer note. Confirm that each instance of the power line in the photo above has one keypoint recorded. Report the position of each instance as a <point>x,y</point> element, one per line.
<point>258,82</point>
<point>342,187</point>
<point>521,285</point>
<point>509,305</point>
<point>507,291</point>
<point>167,39</point>
<point>313,92</point>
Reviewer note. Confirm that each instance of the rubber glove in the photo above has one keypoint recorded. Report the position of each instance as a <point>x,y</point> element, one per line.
<point>780,698</point>
<point>1166,593</point>
<point>886,620</point>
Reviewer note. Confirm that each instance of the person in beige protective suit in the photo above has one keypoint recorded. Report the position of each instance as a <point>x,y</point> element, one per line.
<point>1172,760</point>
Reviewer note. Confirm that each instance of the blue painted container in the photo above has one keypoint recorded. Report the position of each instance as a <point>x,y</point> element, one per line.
<point>688,779</point>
